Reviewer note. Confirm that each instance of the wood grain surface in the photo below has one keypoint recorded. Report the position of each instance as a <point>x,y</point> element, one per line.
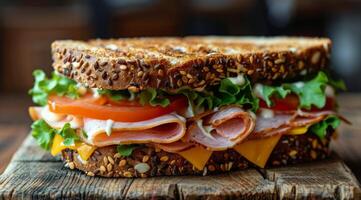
<point>34,174</point>
<point>14,125</point>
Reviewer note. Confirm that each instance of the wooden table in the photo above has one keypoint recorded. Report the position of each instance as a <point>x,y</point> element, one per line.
<point>292,182</point>
<point>14,125</point>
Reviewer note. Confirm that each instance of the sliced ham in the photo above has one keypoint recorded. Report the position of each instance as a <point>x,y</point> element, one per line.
<point>283,121</point>
<point>265,124</point>
<point>305,118</point>
<point>221,130</point>
<point>164,129</point>
<point>54,120</point>
<point>270,132</point>
<point>306,121</point>
<point>217,130</point>
<point>175,147</point>
<point>209,139</point>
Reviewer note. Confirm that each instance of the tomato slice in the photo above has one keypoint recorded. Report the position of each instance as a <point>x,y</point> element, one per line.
<point>123,103</point>
<point>123,111</point>
<point>291,102</point>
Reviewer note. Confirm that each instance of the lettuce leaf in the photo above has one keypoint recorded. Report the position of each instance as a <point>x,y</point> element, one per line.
<point>57,84</point>
<point>69,135</point>
<point>126,149</point>
<point>43,134</point>
<point>320,129</point>
<point>270,91</point>
<point>225,93</point>
<point>153,97</point>
<point>148,96</point>
<point>197,100</point>
<point>230,93</point>
<point>115,95</point>
<point>310,93</point>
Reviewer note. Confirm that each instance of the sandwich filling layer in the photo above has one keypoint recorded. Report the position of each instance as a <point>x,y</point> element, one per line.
<point>236,114</point>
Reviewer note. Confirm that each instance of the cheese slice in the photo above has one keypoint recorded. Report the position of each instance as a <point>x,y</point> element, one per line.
<point>197,156</point>
<point>58,145</point>
<point>84,150</point>
<point>298,131</point>
<point>258,151</point>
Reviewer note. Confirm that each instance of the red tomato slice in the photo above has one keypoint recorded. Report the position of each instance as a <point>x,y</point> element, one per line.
<point>124,111</point>
<point>330,105</point>
<point>89,98</point>
<point>291,102</point>
<point>123,103</point>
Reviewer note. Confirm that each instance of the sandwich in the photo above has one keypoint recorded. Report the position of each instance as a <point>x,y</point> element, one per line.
<point>144,107</point>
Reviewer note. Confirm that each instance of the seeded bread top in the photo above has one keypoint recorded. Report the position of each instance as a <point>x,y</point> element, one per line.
<point>170,63</point>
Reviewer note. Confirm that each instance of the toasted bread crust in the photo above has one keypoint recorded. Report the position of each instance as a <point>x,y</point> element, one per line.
<point>148,162</point>
<point>170,63</point>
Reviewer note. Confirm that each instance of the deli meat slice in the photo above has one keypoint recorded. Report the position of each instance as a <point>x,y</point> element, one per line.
<point>283,121</point>
<point>266,124</point>
<point>175,147</point>
<point>54,120</point>
<point>221,130</point>
<point>164,129</point>
<point>307,115</point>
<point>167,128</point>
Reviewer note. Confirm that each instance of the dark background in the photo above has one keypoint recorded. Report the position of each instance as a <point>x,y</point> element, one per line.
<point>28,27</point>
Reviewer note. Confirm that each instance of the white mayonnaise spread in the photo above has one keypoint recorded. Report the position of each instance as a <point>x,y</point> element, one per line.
<point>76,122</point>
<point>108,127</point>
<point>299,84</point>
<point>330,92</point>
<point>266,113</point>
<point>189,112</point>
<point>95,93</point>
<point>257,89</point>
<point>239,80</point>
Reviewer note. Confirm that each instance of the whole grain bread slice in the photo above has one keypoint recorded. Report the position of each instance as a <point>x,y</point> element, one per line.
<point>170,63</point>
<point>148,161</point>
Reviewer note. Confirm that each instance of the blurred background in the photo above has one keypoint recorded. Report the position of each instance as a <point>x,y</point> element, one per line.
<point>28,27</point>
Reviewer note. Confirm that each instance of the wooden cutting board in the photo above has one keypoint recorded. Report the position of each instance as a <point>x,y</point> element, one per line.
<point>34,174</point>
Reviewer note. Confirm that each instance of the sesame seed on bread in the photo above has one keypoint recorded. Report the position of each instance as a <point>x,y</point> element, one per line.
<point>170,63</point>
<point>148,161</point>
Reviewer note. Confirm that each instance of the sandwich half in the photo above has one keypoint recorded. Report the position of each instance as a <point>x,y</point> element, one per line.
<point>142,107</point>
